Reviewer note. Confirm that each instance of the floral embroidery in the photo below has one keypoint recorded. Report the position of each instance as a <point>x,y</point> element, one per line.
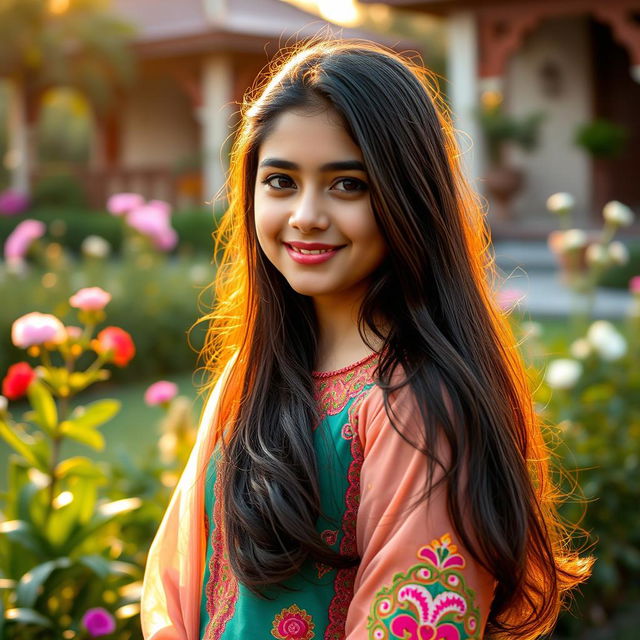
<point>335,389</point>
<point>330,536</point>
<point>222,587</point>
<point>293,624</point>
<point>429,602</point>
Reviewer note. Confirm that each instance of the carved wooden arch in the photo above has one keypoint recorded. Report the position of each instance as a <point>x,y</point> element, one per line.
<point>502,29</point>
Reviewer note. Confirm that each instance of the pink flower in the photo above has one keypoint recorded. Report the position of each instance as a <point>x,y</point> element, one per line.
<point>153,220</point>
<point>98,622</point>
<point>37,328</point>
<point>161,206</point>
<point>160,392</point>
<point>166,240</point>
<point>90,299</point>
<point>634,284</point>
<point>20,239</point>
<point>123,203</point>
<point>13,202</point>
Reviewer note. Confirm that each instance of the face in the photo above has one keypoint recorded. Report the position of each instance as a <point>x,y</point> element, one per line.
<point>313,213</point>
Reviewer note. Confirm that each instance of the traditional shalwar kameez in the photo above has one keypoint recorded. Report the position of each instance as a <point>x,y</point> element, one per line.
<point>414,580</point>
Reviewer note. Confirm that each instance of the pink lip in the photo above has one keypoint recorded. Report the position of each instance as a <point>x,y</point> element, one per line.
<point>315,258</point>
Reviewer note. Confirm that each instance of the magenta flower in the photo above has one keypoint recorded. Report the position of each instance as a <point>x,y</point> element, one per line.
<point>20,239</point>
<point>121,204</point>
<point>90,299</point>
<point>160,392</point>
<point>98,622</point>
<point>13,202</point>
<point>37,328</point>
<point>634,284</point>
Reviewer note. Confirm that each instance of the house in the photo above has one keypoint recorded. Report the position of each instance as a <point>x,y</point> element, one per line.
<point>170,133</point>
<point>574,60</point>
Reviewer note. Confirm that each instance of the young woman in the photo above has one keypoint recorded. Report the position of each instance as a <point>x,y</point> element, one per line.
<point>369,464</point>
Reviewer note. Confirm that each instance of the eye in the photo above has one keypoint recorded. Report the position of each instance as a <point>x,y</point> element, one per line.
<point>279,181</point>
<point>350,185</point>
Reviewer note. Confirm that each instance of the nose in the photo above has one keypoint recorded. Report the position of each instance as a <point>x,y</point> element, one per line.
<point>308,213</point>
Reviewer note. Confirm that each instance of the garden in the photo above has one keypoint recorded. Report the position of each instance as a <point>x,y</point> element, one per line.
<point>100,335</point>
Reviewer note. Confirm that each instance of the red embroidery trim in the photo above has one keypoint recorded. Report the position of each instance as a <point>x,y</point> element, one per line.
<point>222,587</point>
<point>345,578</point>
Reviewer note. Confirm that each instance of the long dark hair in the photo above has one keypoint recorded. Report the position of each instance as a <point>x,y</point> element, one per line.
<point>444,329</point>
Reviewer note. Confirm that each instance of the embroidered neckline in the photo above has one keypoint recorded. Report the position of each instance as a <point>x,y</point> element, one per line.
<point>335,372</point>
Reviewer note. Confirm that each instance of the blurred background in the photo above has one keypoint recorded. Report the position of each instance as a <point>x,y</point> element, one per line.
<point>116,121</point>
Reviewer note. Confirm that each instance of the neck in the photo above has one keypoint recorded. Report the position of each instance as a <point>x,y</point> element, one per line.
<point>339,341</point>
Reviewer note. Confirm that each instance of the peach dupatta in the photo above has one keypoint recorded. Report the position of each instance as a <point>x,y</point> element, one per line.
<point>171,589</point>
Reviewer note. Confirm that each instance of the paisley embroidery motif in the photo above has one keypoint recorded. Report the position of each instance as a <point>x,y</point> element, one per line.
<point>429,602</point>
<point>293,624</point>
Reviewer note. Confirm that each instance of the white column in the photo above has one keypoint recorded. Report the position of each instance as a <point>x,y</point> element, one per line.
<point>17,158</point>
<point>463,90</point>
<point>215,117</point>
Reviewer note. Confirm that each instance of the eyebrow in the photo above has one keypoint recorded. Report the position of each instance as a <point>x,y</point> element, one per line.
<point>344,165</point>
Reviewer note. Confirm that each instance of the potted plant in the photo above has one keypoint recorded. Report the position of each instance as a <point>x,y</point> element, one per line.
<point>500,129</point>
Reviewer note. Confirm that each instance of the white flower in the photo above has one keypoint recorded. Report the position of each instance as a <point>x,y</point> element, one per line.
<point>581,348</point>
<point>605,339</point>
<point>563,373</point>
<point>96,247</point>
<point>560,203</point>
<point>617,213</point>
<point>597,254</point>
<point>618,253</point>
<point>573,239</point>
<point>531,330</point>
<point>4,403</point>
<point>199,273</point>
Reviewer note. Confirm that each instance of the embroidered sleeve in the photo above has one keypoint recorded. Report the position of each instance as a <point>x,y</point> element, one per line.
<point>414,582</point>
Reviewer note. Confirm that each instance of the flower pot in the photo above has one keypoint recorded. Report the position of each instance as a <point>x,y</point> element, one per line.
<point>503,183</point>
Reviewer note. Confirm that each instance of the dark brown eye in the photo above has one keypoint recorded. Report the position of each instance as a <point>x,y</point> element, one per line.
<point>279,182</point>
<point>351,185</point>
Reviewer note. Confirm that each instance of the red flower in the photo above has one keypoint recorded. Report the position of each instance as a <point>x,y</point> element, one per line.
<point>118,342</point>
<point>17,380</point>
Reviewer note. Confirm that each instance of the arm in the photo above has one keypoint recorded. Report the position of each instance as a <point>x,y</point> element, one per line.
<point>415,581</point>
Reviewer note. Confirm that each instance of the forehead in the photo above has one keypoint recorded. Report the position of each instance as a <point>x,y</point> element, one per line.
<point>309,138</point>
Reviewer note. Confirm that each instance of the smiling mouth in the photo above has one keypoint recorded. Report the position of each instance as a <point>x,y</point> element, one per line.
<point>311,252</point>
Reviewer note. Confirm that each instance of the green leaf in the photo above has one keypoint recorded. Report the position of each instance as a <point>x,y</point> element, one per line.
<point>79,466</point>
<point>28,616</point>
<point>90,437</point>
<point>24,534</point>
<point>99,565</point>
<point>95,414</point>
<point>44,405</point>
<point>29,586</point>
<point>103,515</point>
<point>18,444</point>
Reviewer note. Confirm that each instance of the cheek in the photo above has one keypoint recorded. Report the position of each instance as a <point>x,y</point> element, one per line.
<point>267,223</point>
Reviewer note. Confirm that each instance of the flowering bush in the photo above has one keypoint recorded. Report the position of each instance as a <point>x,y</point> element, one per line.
<point>57,557</point>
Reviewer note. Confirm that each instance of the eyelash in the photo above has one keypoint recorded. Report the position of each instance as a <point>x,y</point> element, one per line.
<point>362,186</point>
